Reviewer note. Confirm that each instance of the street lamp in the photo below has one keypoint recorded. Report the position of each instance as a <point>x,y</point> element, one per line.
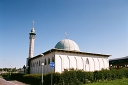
<point>111,65</point>
<point>10,69</point>
<point>42,66</point>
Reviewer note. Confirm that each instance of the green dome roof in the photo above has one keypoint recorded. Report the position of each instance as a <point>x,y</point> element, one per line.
<point>67,44</point>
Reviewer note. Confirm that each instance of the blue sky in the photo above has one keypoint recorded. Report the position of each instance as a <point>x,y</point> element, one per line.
<point>98,26</point>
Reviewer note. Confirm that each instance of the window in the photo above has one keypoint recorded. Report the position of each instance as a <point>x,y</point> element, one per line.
<point>87,61</point>
<point>53,60</point>
<point>48,60</point>
<point>45,62</point>
<point>39,62</point>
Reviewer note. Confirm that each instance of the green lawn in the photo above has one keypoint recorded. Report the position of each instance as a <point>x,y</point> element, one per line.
<point>114,82</point>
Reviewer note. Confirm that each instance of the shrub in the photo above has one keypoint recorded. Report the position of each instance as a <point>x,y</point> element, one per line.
<point>89,76</point>
<point>32,78</point>
<point>69,78</point>
<point>56,78</point>
<point>47,79</point>
<point>80,76</point>
<point>106,74</point>
<point>102,75</point>
<point>125,71</point>
<point>17,76</point>
<point>5,75</point>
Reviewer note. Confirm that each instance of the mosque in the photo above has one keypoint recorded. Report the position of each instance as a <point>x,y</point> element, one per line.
<point>66,55</point>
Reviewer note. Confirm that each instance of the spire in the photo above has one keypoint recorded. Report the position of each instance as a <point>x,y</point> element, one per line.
<point>66,35</point>
<point>33,31</point>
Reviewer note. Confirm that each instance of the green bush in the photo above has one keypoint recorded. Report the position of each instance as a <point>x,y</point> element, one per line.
<point>47,79</point>
<point>89,76</point>
<point>5,75</point>
<point>72,77</point>
<point>69,78</point>
<point>55,78</point>
<point>32,78</point>
<point>106,74</point>
<point>113,74</point>
<point>125,71</point>
<point>17,76</point>
<point>102,75</point>
<point>80,76</point>
<point>27,78</point>
<point>84,77</point>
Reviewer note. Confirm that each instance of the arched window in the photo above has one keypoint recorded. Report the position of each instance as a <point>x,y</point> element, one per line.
<point>87,61</point>
<point>45,62</point>
<point>48,60</point>
<point>53,59</point>
<point>39,62</point>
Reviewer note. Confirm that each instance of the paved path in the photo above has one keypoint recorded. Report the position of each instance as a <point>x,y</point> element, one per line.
<point>10,82</point>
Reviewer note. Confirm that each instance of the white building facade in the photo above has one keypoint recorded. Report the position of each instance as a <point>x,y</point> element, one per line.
<point>67,55</point>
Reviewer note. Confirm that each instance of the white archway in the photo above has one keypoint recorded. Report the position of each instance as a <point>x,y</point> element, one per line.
<point>96,64</point>
<point>66,62</point>
<point>87,68</point>
<point>60,62</point>
<point>91,64</point>
<point>69,62</point>
<point>82,63</point>
<point>76,63</point>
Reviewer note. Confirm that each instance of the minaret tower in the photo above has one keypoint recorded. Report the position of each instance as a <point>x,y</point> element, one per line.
<point>32,38</point>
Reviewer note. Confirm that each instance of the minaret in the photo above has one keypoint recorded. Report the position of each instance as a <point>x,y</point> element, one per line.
<point>32,38</point>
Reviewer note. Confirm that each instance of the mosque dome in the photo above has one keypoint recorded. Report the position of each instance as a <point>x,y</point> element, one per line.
<point>67,44</point>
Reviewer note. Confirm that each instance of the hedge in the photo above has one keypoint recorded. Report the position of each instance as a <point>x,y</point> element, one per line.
<point>32,78</point>
<point>69,78</point>
<point>72,77</point>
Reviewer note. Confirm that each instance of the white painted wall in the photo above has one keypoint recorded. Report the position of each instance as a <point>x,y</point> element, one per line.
<point>36,69</point>
<point>69,60</point>
<point>78,61</point>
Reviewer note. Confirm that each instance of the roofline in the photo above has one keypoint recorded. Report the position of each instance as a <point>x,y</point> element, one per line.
<point>78,52</point>
<point>126,57</point>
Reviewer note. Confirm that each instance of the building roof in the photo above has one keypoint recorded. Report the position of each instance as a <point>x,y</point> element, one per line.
<point>126,57</point>
<point>69,51</point>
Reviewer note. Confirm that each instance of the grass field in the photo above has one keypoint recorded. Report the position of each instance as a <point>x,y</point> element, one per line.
<point>114,82</point>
